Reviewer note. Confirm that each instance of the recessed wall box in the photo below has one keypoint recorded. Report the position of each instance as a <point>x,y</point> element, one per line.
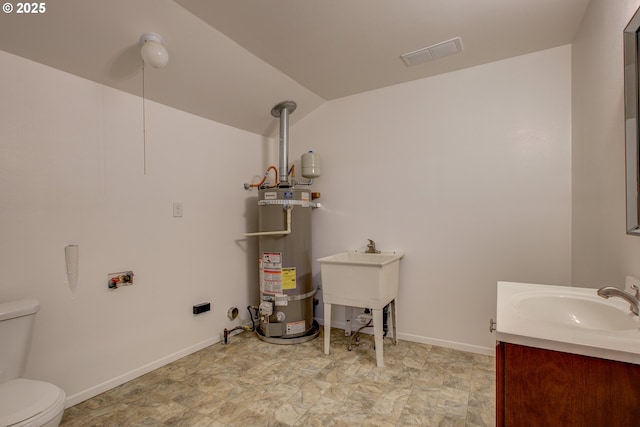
<point>123,278</point>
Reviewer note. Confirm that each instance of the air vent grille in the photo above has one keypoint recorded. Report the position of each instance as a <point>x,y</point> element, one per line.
<point>436,51</point>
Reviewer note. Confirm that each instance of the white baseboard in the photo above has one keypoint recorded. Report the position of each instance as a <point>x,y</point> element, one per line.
<point>471,348</point>
<point>121,379</point>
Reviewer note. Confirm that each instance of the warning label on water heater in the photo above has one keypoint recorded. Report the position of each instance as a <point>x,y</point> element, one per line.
<point>295,327</point>
<point>272,259</point>
<point>271,272</point>
<point>289,278</point>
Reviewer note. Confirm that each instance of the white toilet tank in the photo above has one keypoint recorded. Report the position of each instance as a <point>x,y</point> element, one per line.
<point>17,319</point>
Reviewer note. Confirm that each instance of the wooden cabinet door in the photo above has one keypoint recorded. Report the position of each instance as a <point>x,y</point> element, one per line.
<point>549,388</point>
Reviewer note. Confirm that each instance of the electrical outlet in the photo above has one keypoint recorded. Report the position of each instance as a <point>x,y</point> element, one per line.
<point>629,281</point>
<point>115,280</point>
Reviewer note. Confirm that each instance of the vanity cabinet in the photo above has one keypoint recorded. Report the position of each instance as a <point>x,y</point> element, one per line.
<point>538,387</point>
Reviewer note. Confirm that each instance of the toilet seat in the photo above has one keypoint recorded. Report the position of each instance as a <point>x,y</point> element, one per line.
<point>26,402</point>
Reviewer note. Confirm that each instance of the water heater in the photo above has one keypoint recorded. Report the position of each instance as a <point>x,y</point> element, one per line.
<point>285,311</point>
<point>286,286</point>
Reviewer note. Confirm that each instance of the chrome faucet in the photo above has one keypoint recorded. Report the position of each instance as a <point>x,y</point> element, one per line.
<point>371,247</point>
<point>610,291</point>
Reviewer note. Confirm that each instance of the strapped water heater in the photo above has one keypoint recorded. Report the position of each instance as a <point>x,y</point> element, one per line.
<point>285,311</point>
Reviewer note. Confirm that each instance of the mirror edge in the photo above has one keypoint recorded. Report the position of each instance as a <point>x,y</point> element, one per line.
<point>631,76</point>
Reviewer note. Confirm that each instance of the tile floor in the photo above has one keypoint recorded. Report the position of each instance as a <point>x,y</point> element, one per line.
<point>249,382</point>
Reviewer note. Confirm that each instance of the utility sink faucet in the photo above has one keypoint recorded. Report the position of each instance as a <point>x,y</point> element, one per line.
<point>371,247</point>
<point>610,291</point>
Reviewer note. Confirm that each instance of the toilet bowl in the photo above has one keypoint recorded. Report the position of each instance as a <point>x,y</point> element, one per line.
<point>23,402</point>
<point>29,403</point>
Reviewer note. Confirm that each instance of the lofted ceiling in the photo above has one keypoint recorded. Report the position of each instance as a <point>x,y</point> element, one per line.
<point>232,60</point>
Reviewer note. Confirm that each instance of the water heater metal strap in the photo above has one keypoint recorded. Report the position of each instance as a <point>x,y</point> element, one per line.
<point>289,202</point>
<point>291,297</point>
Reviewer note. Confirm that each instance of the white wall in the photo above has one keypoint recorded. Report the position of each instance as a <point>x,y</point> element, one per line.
<point>71,172</point>
<point>602,253</point>
<point>468,172</point>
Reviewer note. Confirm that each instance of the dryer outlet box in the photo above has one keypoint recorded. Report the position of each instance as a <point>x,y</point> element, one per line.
<point>201,308</point>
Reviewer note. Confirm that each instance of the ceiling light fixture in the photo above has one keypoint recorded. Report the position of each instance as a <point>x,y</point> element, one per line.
<point>152,51</point>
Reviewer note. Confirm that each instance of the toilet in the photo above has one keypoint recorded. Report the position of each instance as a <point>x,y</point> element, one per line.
<point>24,402</point>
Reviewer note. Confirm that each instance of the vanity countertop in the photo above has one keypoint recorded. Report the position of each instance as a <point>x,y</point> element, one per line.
<point>560,318</point>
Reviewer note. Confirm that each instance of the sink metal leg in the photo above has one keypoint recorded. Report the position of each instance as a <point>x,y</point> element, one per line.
<point>378,335</point>
<point>327,327</point>
<point>394,320</point>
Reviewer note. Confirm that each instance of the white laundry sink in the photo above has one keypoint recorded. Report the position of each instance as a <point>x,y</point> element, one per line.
<point>359,279</point>
<point>366,280</point>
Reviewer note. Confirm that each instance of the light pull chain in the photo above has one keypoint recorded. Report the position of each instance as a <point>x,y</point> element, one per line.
<point>144,126</point>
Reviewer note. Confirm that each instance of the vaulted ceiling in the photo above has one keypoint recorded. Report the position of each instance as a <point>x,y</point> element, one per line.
<point>232,60</point>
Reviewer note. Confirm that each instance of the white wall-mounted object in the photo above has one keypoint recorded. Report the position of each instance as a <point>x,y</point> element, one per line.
<point>71,255</point>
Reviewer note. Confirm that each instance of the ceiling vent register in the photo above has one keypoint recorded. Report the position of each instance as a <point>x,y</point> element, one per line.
<point>430,53</point>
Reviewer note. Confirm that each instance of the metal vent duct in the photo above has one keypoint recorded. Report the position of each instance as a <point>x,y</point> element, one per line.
<point>283,110</point>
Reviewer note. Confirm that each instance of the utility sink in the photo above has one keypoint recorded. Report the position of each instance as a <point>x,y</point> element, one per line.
<point>360,279</point>
<point>366,280</point>
<point>362,258</point>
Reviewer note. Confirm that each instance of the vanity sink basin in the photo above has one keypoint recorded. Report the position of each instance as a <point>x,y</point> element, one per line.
<point>360,279</point>
<point>567,319</point>
<point>580,311</point>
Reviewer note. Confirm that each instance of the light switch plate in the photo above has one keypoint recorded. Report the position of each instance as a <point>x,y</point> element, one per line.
<point>177,209</point>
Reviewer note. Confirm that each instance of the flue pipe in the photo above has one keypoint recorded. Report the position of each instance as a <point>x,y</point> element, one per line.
<point>283,110</point>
